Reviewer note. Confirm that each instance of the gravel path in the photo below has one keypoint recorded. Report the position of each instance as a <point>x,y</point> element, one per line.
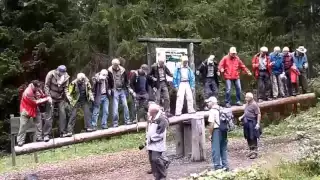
<point>133,164</point>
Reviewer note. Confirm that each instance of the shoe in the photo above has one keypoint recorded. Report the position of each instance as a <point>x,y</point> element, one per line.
<point>69,134</point>
<point>192,112</point>
<point>134,121</point>
<point>46,139</point>
<point>228,105</point>
<point>104,128</point>
<point>178,114</point>
<point>39,139</point>
<point>89,130</point>
<point>239,103</point>
<point>20,144</point>
<point>260,100</point>
<point>128,123</point>
<point>115,126</point>
<point>254,155</point>
<point>270,99</point>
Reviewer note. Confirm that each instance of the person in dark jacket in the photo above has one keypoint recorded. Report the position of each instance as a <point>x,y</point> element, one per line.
<point>56,86</point>
<point>251,125</point>
<point>120,86</point>
<point>277,73</point>
<point>288,63</point>
<point>209,72</point>
<point>159,72</point>
<point>102,93</point>
<point>140,83</point>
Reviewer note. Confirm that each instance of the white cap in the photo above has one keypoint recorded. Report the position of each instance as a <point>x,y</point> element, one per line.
<point>233,50</point>
<point>277,49</point>
<point>184,58</point>
<point>286,49</point>
<point>211,58</point>
<point>115,62</point>
<point>264,49</point>
<point>81,76</point>
<point>104,72</point>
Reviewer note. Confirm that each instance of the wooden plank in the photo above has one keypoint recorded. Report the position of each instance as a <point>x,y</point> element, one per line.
<point>83,137</point>
<point>169,40</point>
<point>179,139</point>
<point>187,136</point>
<point>198,139</point>
<point>192,65</point>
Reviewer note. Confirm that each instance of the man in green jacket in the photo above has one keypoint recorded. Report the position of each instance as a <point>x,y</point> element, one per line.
<point>80,94</point>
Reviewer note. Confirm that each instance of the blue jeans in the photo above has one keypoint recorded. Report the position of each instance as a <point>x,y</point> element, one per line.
<point>237,84</point>
<point>105,112</point>
<point>120,95</point>
<point>219,149</point>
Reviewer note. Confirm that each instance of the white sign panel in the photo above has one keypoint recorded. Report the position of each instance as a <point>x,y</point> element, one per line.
<point>171,56</point>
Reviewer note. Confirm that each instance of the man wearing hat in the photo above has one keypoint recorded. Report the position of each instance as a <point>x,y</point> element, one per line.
<point>159,72</point>
<point>261,66</point>
<point>209,72</point>
<point>81,97</point>
<point>120,85</point>
<point>140,83</point>
<point>230,65</point>
<point>101,89</point>
<point>301,61</point>
<point>184,82</point>
<point>56,86</point>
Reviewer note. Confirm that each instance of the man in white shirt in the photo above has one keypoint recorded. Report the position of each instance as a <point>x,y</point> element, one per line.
<point>218,138</point>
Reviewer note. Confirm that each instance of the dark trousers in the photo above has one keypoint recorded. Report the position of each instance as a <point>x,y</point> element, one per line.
<point>289,89</point>
<point>158,166</point>
<point>61,107</point>
<point>250,133</point>
<point>210,88</point>
<point>264,85</point>
<point>163,92</point>
<point>303,82</point>
<point>85,105</point>
<point>142,106</point>
<point>253,144</point>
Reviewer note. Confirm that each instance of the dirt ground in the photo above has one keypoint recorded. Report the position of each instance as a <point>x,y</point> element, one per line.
<point>133,164</point>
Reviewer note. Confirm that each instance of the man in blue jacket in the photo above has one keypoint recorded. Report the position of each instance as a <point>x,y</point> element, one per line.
<point>301,61</point>
<point>277,73</point>
<point>184,83</point>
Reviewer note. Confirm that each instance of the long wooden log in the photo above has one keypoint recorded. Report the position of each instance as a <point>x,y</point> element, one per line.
<point>169,40</point>
<point>83,137</point>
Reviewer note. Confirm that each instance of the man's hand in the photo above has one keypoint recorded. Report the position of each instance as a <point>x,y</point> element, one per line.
<point>91,98</point>
<point>218,73</point>
<point>222,70</point>
<point>197,72</point>
<point>69,98</point>
<point>257,126</point>
<point>154,79</point>
<point>240,118</point>
<point>155,89</point>
<point>50,100</point>
<point>110,92</point>
<point>210,138</point>
<point>272,63</point>
<point>249,73</point>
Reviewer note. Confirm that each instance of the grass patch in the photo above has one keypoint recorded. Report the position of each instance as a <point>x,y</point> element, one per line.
<point>96,147</point>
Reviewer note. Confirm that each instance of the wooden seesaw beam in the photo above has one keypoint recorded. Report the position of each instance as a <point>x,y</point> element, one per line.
<point>83,137</point>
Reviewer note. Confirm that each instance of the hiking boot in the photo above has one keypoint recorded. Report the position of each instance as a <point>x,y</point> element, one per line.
<point>260,100</point>
<point>135,121</point>
<point>178,114</point>
<point>89,130</point>
<point>270,99</point>
<point>39,139</point>
<point>168,114</point>
<point>239,103</point>
<point>69,134</point>
<point>192,112</point>
<point>254,155</point>
<point>46,139</point>
<point>128,123</point>
<point>103,128</point>
<point>115,126</point>
<point>20,144</point>
<point>228,105</point>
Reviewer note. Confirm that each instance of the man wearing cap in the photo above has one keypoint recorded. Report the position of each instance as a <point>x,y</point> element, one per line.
<point>56,86</point>
<point>156,141</point>
<point>230,65</point>
<point>120,85</point>
<point>209,72</point>
<point>261,66</point>
<point>288,64</point>
<point>251,125</point>
<point>301,61</point>
<point>219,139</point>
<point>159,72</point>
<point>184,82</point>
<point>81,96</point>
<point>101,89</point>
<point>140,83</point>
<point>277,73</point>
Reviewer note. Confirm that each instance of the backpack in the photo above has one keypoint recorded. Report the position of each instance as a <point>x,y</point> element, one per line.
<point>226,119</point>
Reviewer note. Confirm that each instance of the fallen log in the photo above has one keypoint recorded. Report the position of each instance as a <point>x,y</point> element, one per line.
<point>83,137</point>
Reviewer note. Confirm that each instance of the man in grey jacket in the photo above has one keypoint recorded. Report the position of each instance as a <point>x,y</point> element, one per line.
<point>56,86</point>
<point>156,141</point>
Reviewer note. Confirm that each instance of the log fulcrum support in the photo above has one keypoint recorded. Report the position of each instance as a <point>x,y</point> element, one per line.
<point>83,137</point>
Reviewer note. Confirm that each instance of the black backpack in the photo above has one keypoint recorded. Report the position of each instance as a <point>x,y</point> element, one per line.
<point>226,119</point>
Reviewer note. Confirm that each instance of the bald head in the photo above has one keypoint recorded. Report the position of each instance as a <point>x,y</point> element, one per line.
<point>249,97</point>
<point>153,109</point>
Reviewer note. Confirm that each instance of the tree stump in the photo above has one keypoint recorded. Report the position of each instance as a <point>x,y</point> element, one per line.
<point>198,139</point>
<point>187,136</point>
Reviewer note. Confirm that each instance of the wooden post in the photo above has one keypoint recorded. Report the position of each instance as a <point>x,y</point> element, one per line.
<point>192,65</point>
<point>35,154</point>
<point>149,55</point>
<point>187,136</point>
<point>198,139</point>
<point>13,151</point>
<point>179,139</point>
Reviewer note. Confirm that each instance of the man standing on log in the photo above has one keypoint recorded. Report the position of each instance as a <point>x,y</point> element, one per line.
<point>209,72</point>
<point>219,138</point>
<point>120,86</point>
<point>81,96</point>
<point>156,141</point>
<point>184,82</point>
<point>140,83</point>
<point>301,61</point>
<point>102,93</point>
<point>251,125</point>
<point>261,66</point>
<point>29,109</point>
<point>277,73</point>
<point>230,65</point>
<point>159,72</point>
<point>56,86</point>
<point>288,63</point>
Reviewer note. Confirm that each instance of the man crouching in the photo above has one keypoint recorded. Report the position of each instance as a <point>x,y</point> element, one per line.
<point>156,141</point>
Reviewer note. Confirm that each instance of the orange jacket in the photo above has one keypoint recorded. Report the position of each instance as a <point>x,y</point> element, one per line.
<point>231,67</point>
<point>255,65</point>
<point>294,73</point>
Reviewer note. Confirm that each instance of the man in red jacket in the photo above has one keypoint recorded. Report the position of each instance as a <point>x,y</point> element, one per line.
<point>28,108</point>
<point>261,66</point>
<point>229,66</point>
